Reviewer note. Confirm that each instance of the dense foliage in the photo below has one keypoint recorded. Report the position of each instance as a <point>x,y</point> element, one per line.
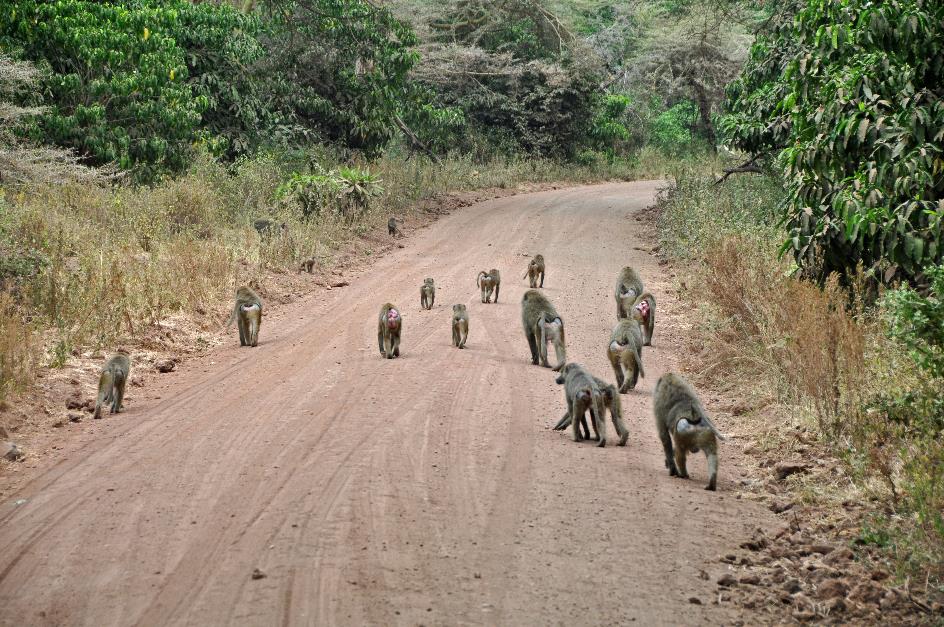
<point>848,97</point>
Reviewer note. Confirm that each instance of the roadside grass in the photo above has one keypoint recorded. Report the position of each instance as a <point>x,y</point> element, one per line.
<point>811,359</point>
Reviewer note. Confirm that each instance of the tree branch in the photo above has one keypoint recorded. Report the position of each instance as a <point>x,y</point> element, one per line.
<point>748,166</point>
<point>414,139</point>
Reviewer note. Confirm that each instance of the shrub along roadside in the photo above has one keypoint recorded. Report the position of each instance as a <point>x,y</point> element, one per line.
<point>812,357</point>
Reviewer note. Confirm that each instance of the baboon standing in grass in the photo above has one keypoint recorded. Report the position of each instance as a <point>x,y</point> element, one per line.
<point>535,268</point>
<point>388,331</point>
<point>628,289</point>
<point>542,324</point>
<point>460,325</point>
<point>111,383</point>
<point>268,228</point>
<point>308,265</point>
<point>247,313</point>
<point>393,228</point>
<point>427,293</point>
<point>684,427</point>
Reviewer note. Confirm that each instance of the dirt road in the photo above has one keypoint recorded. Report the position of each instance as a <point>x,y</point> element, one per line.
<point>424,490</point>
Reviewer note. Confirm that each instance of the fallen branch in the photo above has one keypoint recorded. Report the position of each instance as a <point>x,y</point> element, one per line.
<point>748,166</point>
<point>414,139</point>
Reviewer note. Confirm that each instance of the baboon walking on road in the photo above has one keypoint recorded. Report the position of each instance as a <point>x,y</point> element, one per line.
<point>111,383</point>
<point>535,267</point>
<point>542,324</point>
<point>388,331</point>
<point>247,313</point>
<point>625,354</point>
<point>427,293</point>
<point>612,402</point>
<point>628,289</point>
<point>644,311</point>
<point>393,228</point>
<point>460,325</point>
<point>684,427</point>
<point>488,281</point>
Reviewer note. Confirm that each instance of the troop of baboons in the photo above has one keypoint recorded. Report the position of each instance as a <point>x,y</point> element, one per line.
<point>681,421</point>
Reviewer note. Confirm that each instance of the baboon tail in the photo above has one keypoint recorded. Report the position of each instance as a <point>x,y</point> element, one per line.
<point>477,279</point>
<point>232,316</point>
<point>642,373</point>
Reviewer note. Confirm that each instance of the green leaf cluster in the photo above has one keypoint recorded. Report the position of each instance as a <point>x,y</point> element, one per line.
<point>347,191</point>
<point>847,95</point>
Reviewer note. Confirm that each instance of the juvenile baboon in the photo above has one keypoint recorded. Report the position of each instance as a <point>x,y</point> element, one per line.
<point>488,281</point>
<point>388,331</point>
<point>583,393</point>
<point>625,354</point>
<point>308,265</point>
<point>644,311</point>
<point>681,420</point>
<point>541,325</point>
<point>535,267</point>
<point>268,228</point>
<point>111,383</point>
<point>460,325</point>
<point>427,293</point>
<point>247,313</point>
<point>628,288</point>
<point>392,227</point>
<point>612,402</point>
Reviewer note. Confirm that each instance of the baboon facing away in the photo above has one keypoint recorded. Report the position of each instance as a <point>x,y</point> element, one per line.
<point>392,227</point>
<point>308,265</point>
<point>628,288</point>
<point>625,354</point>
<point>535,267</point>
<point>542,324</point>
<point>247,313</point>
<point>427,293</point>
<point>612,402</point>
<point>684,427</point>
<point>111,383</point>
<point>488,281</point>
<point>388,331</point>
<point>268,228</point>
<point>644,311</point>
<point>460,325</point>
<point>582,393</point>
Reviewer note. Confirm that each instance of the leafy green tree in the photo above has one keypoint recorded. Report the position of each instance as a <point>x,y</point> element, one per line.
<point>847,96</point>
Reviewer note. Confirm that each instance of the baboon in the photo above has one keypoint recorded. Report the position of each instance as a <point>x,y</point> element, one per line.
<point>427,293</point>
<point>535,267</point>
<point>628,288</point>
<point>681,419</point>
<point>644,311</point>
<point>541,325</point>
<point>388,331</point>
<point>268,228</point>
<point>247,313</point>
<point>583,393</point>
<point>460,325</point>
<point>111,383</point>
<point>488,281</point>
<point>625,354</point>
<point>308,265</point>
<point>612,402</point>
<point>392,227</point>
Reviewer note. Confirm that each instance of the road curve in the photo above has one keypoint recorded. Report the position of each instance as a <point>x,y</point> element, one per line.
<point>422,490</point>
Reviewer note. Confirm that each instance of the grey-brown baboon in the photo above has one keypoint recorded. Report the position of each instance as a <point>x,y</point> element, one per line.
<point>628,288</point>
<point>542,324</point>
<point>488,281</point>
<point>247,313</point>
<point>268,228</point>
<point>681,420</point>
<point>612,402</point>
<point>388,331</point>
<point>460,325</point>
<point>308,265</point>
<point>625,354</point>
<point>644,311</point>
<point>392,227</point>
<point>427,293</point>
<point>111,383</point>
<point>582,393</point>
<point>535,267</point>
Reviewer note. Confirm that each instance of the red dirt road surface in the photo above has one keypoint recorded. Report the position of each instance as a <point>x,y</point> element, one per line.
<point>428,489</point>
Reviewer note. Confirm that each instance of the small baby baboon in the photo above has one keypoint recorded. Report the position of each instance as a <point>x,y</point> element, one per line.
<point>644,311</point>
<point>625,354</point>
<point>542,324</point>
<point>388,331</point>
<point>268,228</point>
<point>427,293</point>
<point>488,281</point>
<point>308,265</point>
<point>111,383</point>
<point>392,227</point>
<point>681,420</point>
<point>460,325</point>
<point>535,267</point>
<point>247,313</point>
<point>582,393</point>
<point>612,401</point>
<point>628,288</point>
